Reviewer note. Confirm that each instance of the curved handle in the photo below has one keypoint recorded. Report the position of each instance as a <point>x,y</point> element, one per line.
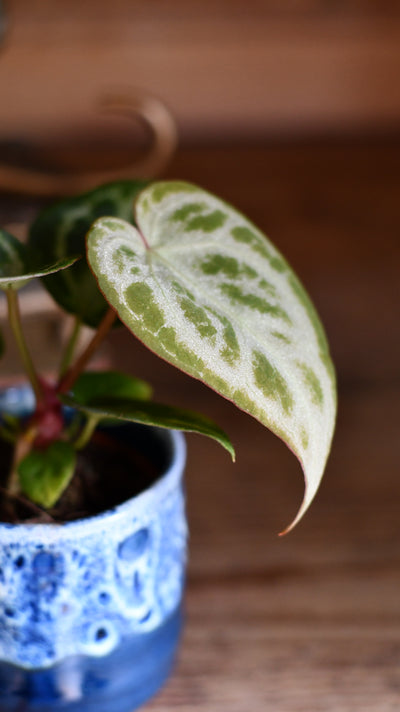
<point>145,107</point>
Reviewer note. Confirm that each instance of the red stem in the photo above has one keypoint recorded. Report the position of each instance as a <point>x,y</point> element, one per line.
<point>68,380</point>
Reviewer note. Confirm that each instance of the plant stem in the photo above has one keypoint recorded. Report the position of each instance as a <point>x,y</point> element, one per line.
<point>70,347</point>
<point>73,428</point>
<point>7,435</point>
<point>68,380</point>
<point>15,322</point>
<point>22,448</point>
<point>86,433</point>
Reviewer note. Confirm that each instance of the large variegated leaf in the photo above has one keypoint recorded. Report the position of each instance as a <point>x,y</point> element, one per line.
<point>60,231</point>
<point>14,268</point>
<point>202,287</point>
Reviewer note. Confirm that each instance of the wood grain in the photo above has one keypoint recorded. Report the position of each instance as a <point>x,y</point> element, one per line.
<point>34,12</point>
<point>224,68</point>
<point>310,622</point>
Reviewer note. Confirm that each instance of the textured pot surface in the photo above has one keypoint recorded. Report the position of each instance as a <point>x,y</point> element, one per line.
<point>90,610</point>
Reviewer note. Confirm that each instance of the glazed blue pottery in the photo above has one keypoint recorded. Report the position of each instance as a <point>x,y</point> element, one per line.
<point>90,610</point>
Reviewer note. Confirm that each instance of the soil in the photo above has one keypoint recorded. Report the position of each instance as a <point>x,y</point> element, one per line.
<point>108,473</point>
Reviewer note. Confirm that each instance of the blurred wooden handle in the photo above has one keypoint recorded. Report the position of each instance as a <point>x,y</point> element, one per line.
<point>139,105</point>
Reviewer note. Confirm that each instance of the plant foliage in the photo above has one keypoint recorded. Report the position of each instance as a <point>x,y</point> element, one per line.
<point>200,286</point>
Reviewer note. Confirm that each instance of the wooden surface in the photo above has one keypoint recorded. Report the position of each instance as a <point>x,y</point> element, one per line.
<point>309,622</point>
<point>226,67</point>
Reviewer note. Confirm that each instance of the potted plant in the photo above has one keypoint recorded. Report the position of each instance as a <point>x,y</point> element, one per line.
<point>90,613</point>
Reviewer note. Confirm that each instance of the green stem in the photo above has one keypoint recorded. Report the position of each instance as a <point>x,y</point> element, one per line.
<point>68,380</point>
<point>87,432</point>
<point>22,448</point>
<point>72,430</point>
<point>15,322</point>
<point>71,346</point>
<point>7,435</point>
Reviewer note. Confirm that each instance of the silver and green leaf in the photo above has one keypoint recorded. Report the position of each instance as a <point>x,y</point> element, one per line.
<point>59,231</point>
<point>203,288</point>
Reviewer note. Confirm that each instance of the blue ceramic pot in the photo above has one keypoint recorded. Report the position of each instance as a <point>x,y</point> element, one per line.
<point>90,610</point>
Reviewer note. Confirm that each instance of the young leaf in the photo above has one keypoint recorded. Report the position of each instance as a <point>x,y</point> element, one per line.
<point>99,384</point>
<point>60,231</point>
<point>203,288</point>
<point>14,267</point>
<point>163,416</point>
<point>44,474</point>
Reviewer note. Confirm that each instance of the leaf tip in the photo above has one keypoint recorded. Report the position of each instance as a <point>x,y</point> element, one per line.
<point>309,494</point>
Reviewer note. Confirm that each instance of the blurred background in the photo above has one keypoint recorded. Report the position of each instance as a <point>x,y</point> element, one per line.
<point>291,111</point>
<point>228,69</point>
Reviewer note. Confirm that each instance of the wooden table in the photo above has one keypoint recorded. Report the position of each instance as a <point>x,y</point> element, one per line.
<point>309,622</point>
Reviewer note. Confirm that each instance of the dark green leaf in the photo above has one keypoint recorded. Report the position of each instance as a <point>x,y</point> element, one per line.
<point>14,267</point>
<point>2,344</point>
<point>109,384</point>
<point>163,416</point>
<point>44,474</point>
<point>12,258</point>
<point>18,281</point>
<point>60,231</point>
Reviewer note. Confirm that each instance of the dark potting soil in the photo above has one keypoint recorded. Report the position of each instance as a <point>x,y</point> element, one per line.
<point>107,473</point>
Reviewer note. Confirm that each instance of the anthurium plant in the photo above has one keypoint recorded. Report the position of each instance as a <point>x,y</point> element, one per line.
<point>200,286</point>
